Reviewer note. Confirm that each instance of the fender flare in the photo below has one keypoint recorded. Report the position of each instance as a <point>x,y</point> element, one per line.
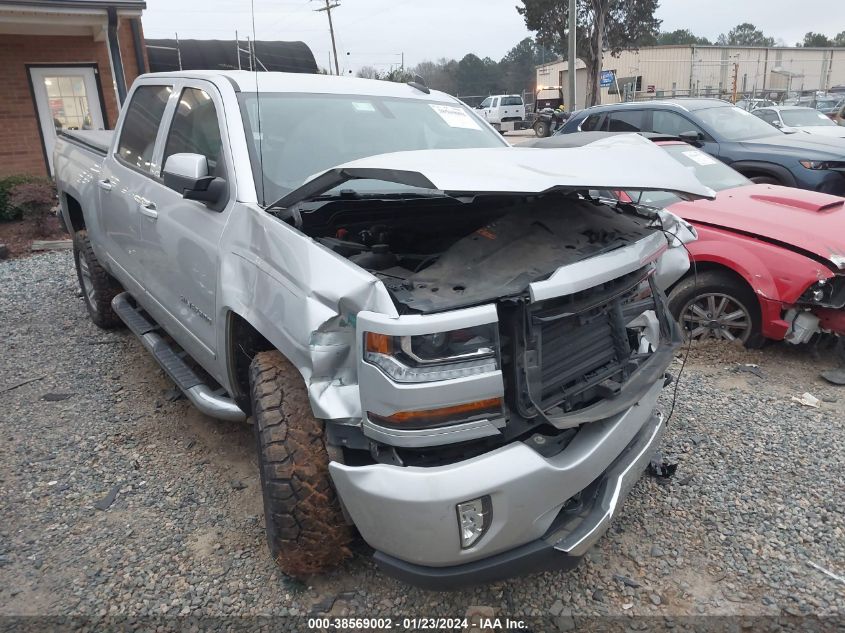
<point>765,168</point>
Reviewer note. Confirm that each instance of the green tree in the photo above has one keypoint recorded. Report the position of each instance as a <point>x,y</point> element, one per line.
<point>476,76</point>
<point>601,25</point>
<point>816,39</point>
<point>517,67</point>
<point>681,37</point>
<point>839,40</point>
<point>745,34</point>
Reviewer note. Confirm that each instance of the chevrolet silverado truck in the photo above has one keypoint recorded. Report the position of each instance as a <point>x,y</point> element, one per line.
<point>443,342</point>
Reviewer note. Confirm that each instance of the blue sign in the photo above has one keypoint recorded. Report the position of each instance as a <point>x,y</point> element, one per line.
<point>606,79</point>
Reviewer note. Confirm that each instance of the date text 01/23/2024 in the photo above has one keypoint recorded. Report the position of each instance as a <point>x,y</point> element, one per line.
<point>415,624</point>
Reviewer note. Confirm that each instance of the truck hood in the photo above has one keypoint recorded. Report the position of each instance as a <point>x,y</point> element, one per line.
<point>802,220</point>
<point>627,162</point>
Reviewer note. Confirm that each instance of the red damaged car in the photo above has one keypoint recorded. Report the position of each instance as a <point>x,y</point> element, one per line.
<point>770,260</point>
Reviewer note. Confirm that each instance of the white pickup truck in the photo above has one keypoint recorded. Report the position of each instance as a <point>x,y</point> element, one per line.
<point>505,113</point>
<point>446,342</point>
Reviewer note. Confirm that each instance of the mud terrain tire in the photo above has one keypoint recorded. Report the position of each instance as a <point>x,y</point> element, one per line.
<point>306,530</point>
<point>98,286</point>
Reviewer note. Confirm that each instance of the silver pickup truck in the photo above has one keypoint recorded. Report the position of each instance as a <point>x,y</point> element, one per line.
<point>452,345</point>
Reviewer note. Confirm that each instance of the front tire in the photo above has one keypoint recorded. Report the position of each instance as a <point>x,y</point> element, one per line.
<point>97,285</point>
<point>717,306</point>
<point>306,530</point>
<point>541,129</point>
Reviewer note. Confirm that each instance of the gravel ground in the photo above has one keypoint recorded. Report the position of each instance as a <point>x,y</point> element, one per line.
<point>757,499</point>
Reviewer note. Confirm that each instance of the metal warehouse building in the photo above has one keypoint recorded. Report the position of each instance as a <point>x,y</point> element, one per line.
<point>666,71</point>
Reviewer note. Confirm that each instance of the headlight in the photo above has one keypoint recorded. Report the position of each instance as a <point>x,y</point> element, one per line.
<point>438,356</point>
<point>823,164</point>
<point>825,292</point>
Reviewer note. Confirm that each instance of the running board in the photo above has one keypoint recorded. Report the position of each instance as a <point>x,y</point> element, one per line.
<point>211,403</point>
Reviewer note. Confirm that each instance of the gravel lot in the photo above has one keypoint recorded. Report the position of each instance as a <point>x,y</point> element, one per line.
<point>757,497</point>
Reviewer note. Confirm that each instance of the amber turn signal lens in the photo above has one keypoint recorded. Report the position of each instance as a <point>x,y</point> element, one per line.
<point>432,417</point>
<point>379,343</point>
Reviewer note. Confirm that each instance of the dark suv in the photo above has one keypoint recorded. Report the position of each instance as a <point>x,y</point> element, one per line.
<point>751,146</point>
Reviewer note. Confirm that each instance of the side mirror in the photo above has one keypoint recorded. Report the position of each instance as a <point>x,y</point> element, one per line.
<point>692,137</point>
<point>777,123</point>
<point>188,174</point>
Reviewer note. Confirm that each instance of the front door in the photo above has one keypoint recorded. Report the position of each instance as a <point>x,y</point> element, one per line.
<point>66,98</point>
<point>180,238</point>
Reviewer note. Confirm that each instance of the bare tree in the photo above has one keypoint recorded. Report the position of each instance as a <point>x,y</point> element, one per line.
<point>368,72</point>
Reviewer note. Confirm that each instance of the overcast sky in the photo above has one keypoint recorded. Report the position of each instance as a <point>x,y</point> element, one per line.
<point>377,32</point>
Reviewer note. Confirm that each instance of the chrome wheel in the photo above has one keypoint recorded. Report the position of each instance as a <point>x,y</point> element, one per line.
<point>716,315</point>
<point>87,282</point>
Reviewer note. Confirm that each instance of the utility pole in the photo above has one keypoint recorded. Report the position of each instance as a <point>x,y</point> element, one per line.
<point>178,52</point>
<point>328,9</point>
<point>735,77</point>
<point>238,49</point>
<point>573,20</point>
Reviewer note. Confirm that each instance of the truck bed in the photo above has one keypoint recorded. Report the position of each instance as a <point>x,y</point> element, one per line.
<point>97,141</point>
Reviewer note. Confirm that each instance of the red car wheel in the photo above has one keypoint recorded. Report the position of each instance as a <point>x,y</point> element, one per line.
<point>717,306</point>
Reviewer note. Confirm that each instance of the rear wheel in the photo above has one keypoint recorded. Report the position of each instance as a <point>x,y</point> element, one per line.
<point>306,530</point>
<point>717,306</point>
<point>541,129</point>
<point>97,285</point>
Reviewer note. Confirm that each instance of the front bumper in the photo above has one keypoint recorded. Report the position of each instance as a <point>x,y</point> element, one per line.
<point>408,514</point>
<point>572,533</point>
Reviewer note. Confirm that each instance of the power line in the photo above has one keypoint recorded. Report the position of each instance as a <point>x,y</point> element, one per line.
<point>328,9</point>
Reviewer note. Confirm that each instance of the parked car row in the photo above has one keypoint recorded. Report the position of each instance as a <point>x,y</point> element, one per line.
<point>751,146</point>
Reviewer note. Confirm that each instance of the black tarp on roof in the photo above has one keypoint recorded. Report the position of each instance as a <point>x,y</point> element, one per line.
<point>288,57</point>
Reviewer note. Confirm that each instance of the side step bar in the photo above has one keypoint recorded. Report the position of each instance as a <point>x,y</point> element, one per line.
<point>201,396</point>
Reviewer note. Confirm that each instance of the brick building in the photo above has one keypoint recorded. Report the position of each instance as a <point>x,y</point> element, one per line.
<point>64,64</point>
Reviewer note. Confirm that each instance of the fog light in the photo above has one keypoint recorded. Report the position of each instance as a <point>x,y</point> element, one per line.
<point>474,518</point>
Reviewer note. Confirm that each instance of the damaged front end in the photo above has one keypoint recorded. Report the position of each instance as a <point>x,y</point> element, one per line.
<point>516,315</point>
<point>507,402</point>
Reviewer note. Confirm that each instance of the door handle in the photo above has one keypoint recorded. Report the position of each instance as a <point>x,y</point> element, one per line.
<point>148,209</point>
<point>105,185</point>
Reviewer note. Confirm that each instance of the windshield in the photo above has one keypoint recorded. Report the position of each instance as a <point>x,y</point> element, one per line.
<point>734,124</point>
<point>710,171</point>
<point>805,118</point>
<point>305,134</point>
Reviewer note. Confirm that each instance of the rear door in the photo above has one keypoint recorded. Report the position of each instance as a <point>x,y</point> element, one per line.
<point>127,174</point>
<point>181,237</point>
<point>625,121</point>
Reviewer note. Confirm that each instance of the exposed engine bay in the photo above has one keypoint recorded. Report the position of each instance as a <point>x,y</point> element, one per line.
<point>436,254</point>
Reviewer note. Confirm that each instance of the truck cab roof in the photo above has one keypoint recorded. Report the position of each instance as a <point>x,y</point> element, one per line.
<point>247,81</point>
